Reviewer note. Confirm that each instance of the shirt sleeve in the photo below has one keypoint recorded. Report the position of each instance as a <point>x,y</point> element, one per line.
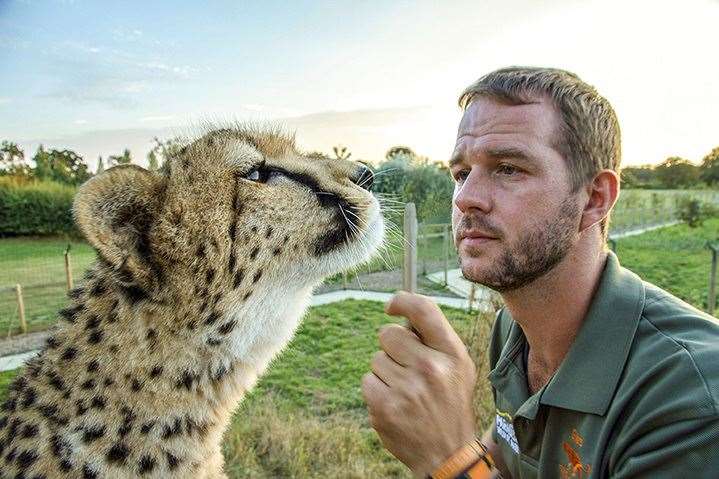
<point>684,449</point>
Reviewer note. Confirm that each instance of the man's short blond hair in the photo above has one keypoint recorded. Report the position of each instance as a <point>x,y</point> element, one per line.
<point>589,138</point>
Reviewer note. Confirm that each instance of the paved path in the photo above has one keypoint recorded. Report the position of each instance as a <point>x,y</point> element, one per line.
<point>643,230</point>
<point>9,363</point>
<point>14,361</point>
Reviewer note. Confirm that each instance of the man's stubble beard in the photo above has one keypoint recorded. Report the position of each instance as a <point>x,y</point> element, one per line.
<point>535,253</point>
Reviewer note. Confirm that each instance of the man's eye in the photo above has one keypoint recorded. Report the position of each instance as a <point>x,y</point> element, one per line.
<point>461,175</point>
<point>507,169</point>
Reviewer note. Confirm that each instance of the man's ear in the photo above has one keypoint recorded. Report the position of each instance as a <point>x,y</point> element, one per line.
<point>115,212</point>
<point>602,193</point>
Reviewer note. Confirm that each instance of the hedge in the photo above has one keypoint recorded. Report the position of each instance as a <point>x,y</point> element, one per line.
<point>35,208</point>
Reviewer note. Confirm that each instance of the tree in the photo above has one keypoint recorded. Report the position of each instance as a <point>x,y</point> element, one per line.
<point>401,153</point>
<point>42,163</point>
<point>710,167</point>
<point>643,176</point>
<point>676,172</point>
<point>12,161</point>
<point>341,152</point>
<point>407,176</point>
<point>124,159</point>
<point>63,166</point>
<point>152,161</point>
<point>100,165</point>
<point>165,150</point>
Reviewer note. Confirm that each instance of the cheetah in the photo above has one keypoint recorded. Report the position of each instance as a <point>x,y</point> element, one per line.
<point>203,272</point>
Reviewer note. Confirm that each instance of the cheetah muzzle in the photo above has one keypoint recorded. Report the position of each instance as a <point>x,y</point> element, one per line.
<point>204,270</point>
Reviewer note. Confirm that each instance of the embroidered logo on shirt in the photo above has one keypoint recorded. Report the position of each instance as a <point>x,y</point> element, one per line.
<point>505,430</point>
<point>574,466</point>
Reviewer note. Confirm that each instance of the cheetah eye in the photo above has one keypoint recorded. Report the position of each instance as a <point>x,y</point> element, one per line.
<point>254,175</point>
<point>258,174</point>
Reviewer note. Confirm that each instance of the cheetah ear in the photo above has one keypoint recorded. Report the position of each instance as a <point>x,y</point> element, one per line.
<point>115,211</point>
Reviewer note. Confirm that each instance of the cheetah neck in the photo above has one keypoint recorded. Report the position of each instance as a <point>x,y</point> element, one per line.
<point>147,359</point>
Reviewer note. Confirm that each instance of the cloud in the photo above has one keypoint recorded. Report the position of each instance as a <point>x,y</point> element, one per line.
<point>183,71</point>
<point>5,100</point>
<point>367,133</point>
<point>116,78</point>
<point>80,122</point>
<point>126,34</point>
<point>157,118</point>
<point>253,107</point>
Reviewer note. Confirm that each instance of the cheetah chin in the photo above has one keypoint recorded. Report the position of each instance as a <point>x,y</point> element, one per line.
<point>204,270</point>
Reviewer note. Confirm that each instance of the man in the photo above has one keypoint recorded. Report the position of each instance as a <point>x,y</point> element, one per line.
<point>595,373</point>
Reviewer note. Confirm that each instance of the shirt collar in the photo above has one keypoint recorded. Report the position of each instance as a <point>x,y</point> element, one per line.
<point>589,374</point>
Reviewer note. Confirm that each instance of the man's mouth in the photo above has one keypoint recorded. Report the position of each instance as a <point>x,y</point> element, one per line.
<point>475,238</point>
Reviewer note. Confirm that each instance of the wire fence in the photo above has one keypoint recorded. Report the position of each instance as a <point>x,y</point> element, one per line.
<point>35,274</point>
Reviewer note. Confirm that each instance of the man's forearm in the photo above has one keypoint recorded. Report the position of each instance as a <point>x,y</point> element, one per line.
<point>495,452</point>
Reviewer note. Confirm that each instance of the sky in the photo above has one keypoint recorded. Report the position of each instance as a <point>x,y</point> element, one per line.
<point>98,76</point>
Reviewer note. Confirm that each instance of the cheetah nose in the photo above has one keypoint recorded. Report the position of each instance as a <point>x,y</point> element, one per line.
<point>363,176</point>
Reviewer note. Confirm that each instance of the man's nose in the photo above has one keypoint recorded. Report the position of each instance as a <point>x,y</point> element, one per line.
<point>363,176</point>
<point>473,193</point>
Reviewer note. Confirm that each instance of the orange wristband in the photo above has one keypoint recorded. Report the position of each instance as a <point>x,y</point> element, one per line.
<point>471,459</point>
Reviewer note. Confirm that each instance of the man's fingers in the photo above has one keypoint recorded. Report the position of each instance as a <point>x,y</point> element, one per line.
<point>424,316</point>
<point>401,344</point>
<point>386,369</point>
<point>373,389</point>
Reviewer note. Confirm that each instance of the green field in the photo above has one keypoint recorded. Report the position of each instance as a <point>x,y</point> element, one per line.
<point>38,265</point>
<point>637,208</point>
<point>674,258</point>
<point>307,414</point>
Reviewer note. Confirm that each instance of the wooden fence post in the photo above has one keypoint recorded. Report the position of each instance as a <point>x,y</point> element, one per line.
<point>20,308</point>
<point>68,268</point>
<point>711,299</point>
<point>445,240</point>
<point>409,278</point>
<point>425,245</point>
<point>472,294</point>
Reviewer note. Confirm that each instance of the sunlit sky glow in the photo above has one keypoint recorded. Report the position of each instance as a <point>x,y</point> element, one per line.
<point>99,76</point>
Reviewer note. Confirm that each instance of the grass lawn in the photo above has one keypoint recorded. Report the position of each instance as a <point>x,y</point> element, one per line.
<point>306,418</point>
<point>674,259</point>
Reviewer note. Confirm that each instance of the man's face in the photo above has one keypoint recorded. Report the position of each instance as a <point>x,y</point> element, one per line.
<point>513,215</point>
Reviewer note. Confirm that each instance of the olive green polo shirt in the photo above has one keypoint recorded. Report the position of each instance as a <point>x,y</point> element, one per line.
<point>636,396</point>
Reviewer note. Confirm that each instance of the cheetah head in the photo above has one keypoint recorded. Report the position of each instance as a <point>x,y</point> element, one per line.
<point>236,210</point>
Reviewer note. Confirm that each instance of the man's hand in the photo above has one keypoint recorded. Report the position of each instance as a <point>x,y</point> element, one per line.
<point>419,393</point>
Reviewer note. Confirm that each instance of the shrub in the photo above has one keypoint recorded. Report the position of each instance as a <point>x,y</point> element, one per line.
<point>693,211</point>
<point>35,208</point>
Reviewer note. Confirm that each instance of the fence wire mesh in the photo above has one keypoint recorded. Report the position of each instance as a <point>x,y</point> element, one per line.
<point>38,265</point>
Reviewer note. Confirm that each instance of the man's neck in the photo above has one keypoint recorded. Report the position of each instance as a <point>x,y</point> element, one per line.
<point>551,310</point>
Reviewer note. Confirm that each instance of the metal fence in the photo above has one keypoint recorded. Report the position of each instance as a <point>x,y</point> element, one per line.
<point>34,275</point>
